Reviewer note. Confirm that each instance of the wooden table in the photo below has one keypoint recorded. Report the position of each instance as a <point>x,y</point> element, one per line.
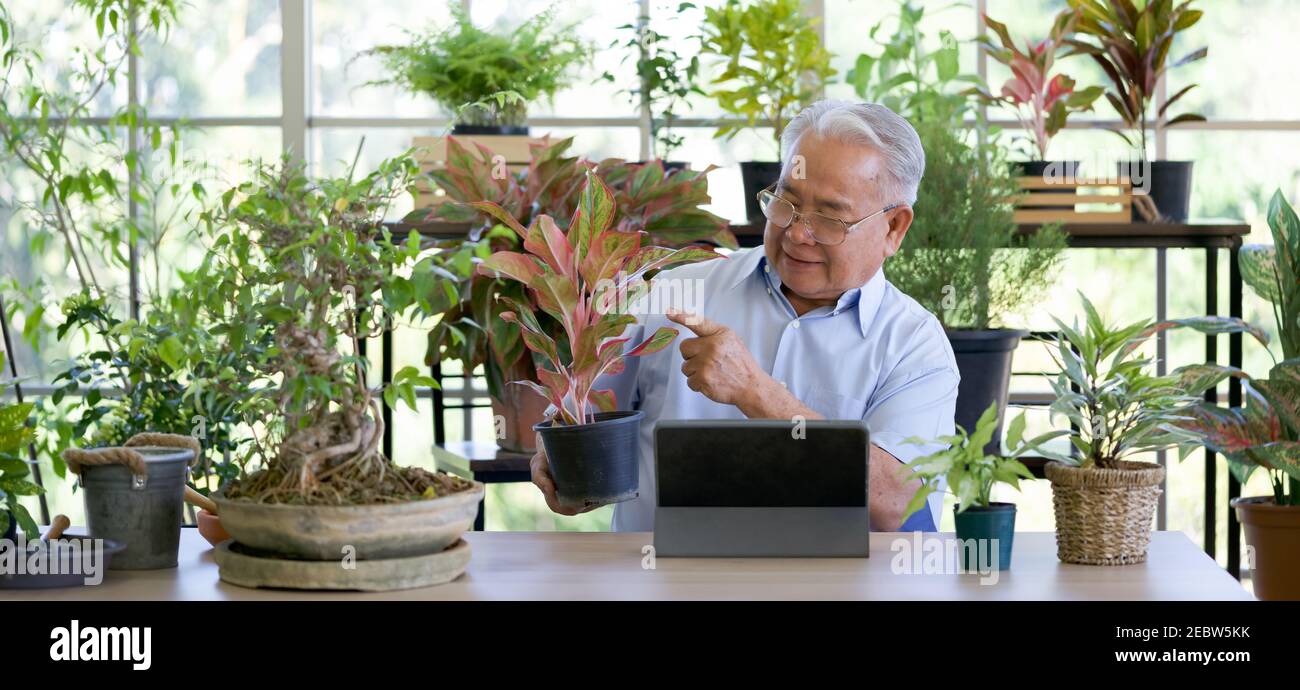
<point>609,566</point>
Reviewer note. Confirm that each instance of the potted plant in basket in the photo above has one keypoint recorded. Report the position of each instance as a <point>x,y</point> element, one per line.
<point>1132,44</point>
<point>774,66</point>
<point>668,206</point>
<point>584,278</point>
<point>965,262</point>
<point>665,79</point>
<point>1265,434</point>
<point>311,262</point>
<point>485,79</point>
<point>1041,100</point>
<point>1104,501</point>
<point>970,472</point>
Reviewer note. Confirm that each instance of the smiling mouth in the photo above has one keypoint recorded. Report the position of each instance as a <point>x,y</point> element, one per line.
<point>797,261</point>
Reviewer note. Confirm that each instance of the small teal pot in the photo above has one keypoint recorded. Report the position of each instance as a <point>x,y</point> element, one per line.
<point>995,521</point>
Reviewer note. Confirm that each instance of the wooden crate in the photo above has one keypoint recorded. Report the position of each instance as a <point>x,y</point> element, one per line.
<point>431,153</point>
<point>1078,201</point>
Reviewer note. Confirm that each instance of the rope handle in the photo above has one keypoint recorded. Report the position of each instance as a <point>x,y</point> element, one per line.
<point>77,458</point>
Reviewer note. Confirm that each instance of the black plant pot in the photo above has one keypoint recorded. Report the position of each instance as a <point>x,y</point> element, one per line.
<point>984,362</point>
<point>467,130</point>
<point>982,523</point>
<point>597,463</point>
<point>1168,183</point>
<point>757,176</point>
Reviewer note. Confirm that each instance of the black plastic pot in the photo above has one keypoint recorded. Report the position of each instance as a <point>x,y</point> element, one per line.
<point>1169,184</point>
<point>757,176</point>
<point>597,463</point>
<point>981,523</point>
<point>466,130</point>
<point>984,362</point>
<point>1041,168</point>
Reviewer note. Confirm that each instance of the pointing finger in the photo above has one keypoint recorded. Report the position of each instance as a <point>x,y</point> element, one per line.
<point>698,324</point>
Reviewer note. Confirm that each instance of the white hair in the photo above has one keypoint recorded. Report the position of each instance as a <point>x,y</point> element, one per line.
<point>865,123</point>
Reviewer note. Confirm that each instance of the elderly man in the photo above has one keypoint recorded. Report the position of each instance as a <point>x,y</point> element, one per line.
<point>807,325</point>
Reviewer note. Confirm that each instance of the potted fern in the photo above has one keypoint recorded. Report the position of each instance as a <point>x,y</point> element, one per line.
<point>774,66</point>
<point>485,80</point>
<point>583,278</point>
<point>1041,100</point>
<point>970,472</point>
<point>1133,43</point>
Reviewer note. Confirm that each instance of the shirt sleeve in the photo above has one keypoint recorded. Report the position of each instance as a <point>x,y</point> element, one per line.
<point>918,399</point>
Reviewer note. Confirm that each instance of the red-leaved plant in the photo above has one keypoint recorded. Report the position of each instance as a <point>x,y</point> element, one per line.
<point>1041,102</point>
<point>581,278</point>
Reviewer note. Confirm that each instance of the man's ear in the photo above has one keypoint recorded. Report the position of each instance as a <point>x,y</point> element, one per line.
<point>900,219</point>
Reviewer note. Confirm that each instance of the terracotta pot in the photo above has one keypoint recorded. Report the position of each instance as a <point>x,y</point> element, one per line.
<point>210,527</point>
<point>1273,537</point>
<point>515,417</point>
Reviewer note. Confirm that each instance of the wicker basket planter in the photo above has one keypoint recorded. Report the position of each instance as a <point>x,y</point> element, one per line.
<point>1103,516</point>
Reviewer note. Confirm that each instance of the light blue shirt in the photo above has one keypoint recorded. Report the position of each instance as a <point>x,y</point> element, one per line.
<point>876,355</point>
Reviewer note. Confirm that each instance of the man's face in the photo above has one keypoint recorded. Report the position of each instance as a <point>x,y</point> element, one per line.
<point>841,181</point>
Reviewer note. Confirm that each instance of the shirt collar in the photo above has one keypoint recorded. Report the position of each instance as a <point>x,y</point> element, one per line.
<point>867,298</point>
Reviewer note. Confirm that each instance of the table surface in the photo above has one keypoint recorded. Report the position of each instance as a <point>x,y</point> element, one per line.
<point>610,566</point>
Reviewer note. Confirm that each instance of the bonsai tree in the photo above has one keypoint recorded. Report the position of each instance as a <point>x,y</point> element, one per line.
<point>774,62</point>
<point>665,79</point>
<point>15,435</point>
<point>968,470</point>
<point>1131,43</point>
<point>964,259</point>
<point>668,207</point>
<point>1041,101</point>
<point>310,263</point>
<point>496,74</point>
<point>582,278</point>
<point>914,81</point>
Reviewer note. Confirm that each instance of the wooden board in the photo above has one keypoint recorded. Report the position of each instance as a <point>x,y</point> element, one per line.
<point>431,153</point>
<point>1073,200</point>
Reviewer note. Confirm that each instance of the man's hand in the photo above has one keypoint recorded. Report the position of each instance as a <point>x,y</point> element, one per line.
<point>717,362</point>
<point>541,471</point>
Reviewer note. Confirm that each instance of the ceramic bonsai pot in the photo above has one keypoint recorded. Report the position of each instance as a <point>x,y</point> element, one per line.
<point>376,531</point>
<point>984,362</point>
<point>1273,535</point>
<point>757,176</point>
<point>597,463</point>
<point>983,523</point>
<point>1103,516</point>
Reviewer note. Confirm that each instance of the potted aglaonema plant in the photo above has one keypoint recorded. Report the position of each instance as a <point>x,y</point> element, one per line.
<point>1104,500</point>
<point>1132,44</point>
<point>485,79</point>
<point>774,66</point>
<point>1264,435</point>
<point>585,279</point>
<point>667,206</point>
<point>986,527</point>
<point>311,262</point>
<point>965,262</point>
<point>1042,101</point>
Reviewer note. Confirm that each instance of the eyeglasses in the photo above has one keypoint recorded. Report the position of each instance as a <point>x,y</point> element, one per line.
<point>824,229</point>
